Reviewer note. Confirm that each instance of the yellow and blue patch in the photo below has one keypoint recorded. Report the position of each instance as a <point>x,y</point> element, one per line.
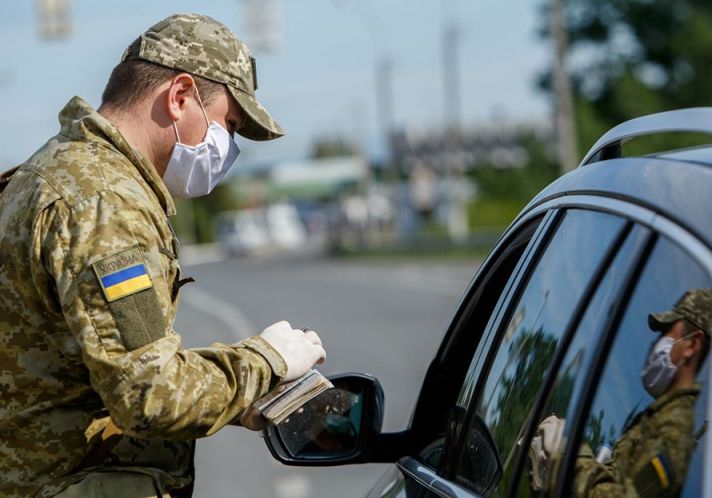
<point>661,469</point>
<point>122,274</point>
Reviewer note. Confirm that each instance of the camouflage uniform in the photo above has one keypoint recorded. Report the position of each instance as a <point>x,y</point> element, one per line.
<point>89,282</point>
<point>651,457</point>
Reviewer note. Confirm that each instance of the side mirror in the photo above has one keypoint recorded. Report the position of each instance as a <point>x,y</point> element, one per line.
<point>334,428</point>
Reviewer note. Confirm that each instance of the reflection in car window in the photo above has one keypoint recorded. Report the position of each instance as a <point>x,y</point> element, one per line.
<point>527,346</point>
<point>641,440</point>
<point>547,444</point>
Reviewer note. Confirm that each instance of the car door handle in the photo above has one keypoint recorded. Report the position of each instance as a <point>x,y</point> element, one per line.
<point>433,482</point>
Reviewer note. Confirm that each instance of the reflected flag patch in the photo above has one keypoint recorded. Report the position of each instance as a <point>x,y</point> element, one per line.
<point>122,274</point>
<point>661,469</point>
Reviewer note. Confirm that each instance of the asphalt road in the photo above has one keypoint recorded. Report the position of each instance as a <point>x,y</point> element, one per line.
<point>383,318</point>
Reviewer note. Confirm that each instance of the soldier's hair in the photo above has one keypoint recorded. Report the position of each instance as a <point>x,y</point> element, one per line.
<point>131,80</point>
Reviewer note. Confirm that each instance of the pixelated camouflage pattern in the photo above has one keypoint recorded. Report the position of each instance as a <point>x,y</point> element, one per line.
<point>667,428</point>
<point>695,306</point>
<point>64,367</point>
<point>202,46</point>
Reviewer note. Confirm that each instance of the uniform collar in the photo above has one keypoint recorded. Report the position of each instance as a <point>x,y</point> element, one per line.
<point>666,398</point>
<point>79,121</point>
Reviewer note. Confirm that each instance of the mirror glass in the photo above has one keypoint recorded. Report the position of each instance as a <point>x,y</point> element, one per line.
<point>327,426</point>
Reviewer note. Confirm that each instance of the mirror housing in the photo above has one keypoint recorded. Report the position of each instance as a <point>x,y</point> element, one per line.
<point>337,427</point>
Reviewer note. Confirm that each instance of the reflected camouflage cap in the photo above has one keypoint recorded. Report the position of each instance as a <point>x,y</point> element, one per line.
<point>695,306</point>
<point>204,47</point>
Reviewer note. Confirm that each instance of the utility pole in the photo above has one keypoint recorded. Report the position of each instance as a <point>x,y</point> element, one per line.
<point>262,25</point>
<point>54,19</point>
<point>457,224</point>
<point>563,99</point>
<point>384,97</point>
<point>451,76</point>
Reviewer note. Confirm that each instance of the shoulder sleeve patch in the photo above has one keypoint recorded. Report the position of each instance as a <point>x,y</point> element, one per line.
<point>122,274</point>
<point>655,478</point>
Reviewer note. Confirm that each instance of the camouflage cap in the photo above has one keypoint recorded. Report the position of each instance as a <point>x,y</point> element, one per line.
<point>204,47</point>
<point>695,306</point>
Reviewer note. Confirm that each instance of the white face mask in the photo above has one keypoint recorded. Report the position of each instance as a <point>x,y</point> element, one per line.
<point>195,171</point>
<point>659,370</point>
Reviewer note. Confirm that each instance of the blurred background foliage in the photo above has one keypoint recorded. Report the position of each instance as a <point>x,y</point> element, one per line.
<point>628,58</point>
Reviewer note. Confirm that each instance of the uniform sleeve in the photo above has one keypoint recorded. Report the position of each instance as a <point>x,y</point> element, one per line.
<point>660,463</point>
<point>113,297</point>
<point>596,480</point>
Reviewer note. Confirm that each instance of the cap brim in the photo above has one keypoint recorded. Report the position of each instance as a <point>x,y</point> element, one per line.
<point>659,321</point>
<point>259,125</point>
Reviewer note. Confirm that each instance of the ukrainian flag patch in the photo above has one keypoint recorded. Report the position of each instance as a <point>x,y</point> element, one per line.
<point>122,274</point>
<point>661,469</point>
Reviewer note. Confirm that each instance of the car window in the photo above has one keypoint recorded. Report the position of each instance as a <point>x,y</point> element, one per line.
<point>638,443</point>
<point>545,446</point>
<point>527,343</point>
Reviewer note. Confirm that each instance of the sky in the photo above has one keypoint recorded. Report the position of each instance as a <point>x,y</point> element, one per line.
<point>319,82</point>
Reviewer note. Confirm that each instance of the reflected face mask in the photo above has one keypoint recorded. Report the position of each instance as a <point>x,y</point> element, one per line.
<point>659,370</point>
<point>194,171</point>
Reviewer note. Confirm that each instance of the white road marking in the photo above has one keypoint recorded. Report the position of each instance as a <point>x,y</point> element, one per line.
<point>292,486</point>
<point>221,310</point>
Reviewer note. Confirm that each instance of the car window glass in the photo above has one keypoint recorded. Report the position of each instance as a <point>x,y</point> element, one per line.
<point>527,344</point>
<point>547,444</point>
<point>440,392</point>
<point>634,443</point>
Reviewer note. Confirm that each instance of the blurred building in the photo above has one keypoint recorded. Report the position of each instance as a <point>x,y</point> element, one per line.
<point>444,152</point>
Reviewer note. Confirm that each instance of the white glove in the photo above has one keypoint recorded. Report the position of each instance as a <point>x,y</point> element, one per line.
<point>544,449</point>
<point>300,350</point>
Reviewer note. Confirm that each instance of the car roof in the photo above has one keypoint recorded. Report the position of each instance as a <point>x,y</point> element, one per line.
<point>679,190</point>
<point>673,183</point>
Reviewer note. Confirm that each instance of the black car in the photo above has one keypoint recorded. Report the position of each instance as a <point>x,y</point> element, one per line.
<point>554,326</point>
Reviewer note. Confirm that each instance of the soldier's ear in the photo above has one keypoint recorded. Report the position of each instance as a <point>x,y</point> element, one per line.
<point>180,89</point>
<point>695,348</point>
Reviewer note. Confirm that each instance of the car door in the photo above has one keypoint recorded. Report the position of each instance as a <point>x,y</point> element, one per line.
<point>574,384</point>
<point>563,255</point>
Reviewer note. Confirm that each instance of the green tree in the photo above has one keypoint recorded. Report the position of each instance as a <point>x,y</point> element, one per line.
<point>629,58</point>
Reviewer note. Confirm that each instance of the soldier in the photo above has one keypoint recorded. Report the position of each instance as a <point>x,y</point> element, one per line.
<point>99,398</point>
<point>651,457</point>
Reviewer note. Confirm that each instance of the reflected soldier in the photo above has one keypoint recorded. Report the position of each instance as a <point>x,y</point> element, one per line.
<point>651,457</point>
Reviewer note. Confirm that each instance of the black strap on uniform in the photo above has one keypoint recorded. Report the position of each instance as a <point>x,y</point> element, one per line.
<point>6,177</point>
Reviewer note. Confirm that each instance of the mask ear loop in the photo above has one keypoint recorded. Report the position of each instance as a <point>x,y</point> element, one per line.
<point>175,128</point>
<point>202,107</point>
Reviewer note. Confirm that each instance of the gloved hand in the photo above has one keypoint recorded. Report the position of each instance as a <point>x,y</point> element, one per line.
<point>300,350</point>
<point>544,449</point>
